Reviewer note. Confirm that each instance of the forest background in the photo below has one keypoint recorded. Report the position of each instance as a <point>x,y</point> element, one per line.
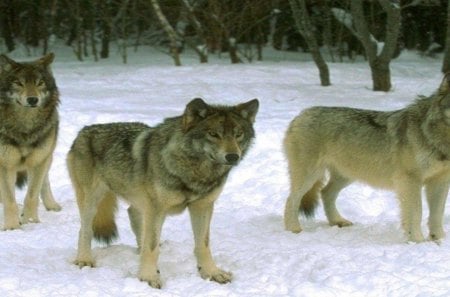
<point>331,30</point>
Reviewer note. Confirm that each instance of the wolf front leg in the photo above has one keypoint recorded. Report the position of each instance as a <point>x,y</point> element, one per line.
<point>437,190</point>
<point>36,177</point>
<point>408,189</point>
<point>7,194</point>
<point>152,222</point>
<point>200,212</point>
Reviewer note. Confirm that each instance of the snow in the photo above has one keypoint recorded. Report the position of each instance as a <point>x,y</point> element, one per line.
<point>370,258</point>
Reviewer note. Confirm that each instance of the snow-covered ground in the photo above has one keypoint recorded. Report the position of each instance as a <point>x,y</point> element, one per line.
<point>370,258</point>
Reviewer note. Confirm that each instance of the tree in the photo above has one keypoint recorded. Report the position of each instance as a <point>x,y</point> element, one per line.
<point>170,31</point>
<point>379,60</point>
<point>305,27</point>
<point>446,62</point>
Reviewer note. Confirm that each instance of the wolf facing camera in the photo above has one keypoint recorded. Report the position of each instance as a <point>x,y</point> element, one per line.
<point>28,131</point>
<point>181,163</point>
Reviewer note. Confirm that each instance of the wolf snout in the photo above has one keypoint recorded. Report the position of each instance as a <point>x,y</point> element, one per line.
<point>232,158</point>
<point>32,101</point>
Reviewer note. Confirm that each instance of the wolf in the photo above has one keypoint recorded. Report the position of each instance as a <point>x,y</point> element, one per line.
<point>29,123</point>
<point>181,163</point>
<point>403,151</point>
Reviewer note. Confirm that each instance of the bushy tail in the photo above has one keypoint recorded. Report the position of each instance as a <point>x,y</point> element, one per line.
<point>21,179</point>
<point>104,225</point>
<point>310,200</point>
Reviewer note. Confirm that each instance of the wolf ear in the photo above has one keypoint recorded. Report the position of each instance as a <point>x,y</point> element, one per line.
<point>195,110</point>
<point>46,60</point>
<point>6,64</point>
<point>445,87</point>
<point>248,110</point>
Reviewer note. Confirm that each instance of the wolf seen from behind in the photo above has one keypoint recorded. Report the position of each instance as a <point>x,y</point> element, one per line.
<point>28,131</point>
<point>404,151</point>
<point>181,163</point>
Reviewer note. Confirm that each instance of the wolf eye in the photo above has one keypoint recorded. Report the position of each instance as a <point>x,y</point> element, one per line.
<point>213,134</point>
<point>239,134</point>
<point>40,83</point>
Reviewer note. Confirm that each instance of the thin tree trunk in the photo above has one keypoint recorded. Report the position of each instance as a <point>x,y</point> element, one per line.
<point>105,25</point>
<point>202,49</point>
<point>5,26</point>
<point>171,33</point>
<point>304,26</point>
<point>446,62</point>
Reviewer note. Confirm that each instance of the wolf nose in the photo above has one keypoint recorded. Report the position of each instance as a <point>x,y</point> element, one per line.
<point>232,158</point>
<point>32,100</point>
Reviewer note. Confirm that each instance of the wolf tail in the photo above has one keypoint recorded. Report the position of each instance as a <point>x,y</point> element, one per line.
<point>310,200</point>
<point>21,179</point>
<point>104,225</point>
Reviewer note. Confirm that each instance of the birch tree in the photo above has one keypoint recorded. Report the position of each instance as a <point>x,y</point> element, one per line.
<point>170,31</point>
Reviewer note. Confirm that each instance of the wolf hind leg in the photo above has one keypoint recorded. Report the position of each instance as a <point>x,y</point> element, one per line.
<point>436,191</point>
<point>136,223</point>
<point>47,196</point>
<point>301,183</point>
<point>92,198</point>
<point>88,192</point>
<point>329,195</point>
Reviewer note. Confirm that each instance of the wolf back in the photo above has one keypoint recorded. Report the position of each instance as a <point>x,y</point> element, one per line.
<point>183,162</point>
<point>402,150</point>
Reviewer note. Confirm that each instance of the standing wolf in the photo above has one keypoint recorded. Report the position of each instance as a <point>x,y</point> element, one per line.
<point>183,162</point>
<point>28,129</point>
<point>402,150</point>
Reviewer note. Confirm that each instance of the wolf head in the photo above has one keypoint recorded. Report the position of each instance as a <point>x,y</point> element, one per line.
<point>27,84</point>
<point>221,133</point>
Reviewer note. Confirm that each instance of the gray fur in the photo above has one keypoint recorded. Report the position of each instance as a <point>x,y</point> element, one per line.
<point>181,163</point>
<point>403,150</point>
<point>28,130</point>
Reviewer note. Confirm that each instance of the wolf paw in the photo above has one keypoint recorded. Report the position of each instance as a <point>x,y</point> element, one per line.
<point>219,276</point>
<point>84,263</point>
<point>25,219</point>
<point>153,281</point>
<point>293,227</point>
<point>437,236</point>
<point>52,206</point>
<point>341,223</point>
<point>12,224</point>
<point>417,238</point>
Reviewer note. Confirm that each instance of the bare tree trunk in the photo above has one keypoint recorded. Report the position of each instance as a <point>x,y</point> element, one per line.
<point>200,49</point>
<point>171,33</point>
<point>78,21</point>
<point>106,21</point>
<point>5,26</point>
<point>379,63</point>
<point>446,62</point>
<point>304,26</point>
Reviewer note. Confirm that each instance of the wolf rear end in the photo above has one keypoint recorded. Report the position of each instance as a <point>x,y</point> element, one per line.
<point>404,151</point>
<point>181,163</point>
<point>28,130</point>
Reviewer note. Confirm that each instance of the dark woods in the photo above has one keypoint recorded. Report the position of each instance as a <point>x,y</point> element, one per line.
<point>330,30</point>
